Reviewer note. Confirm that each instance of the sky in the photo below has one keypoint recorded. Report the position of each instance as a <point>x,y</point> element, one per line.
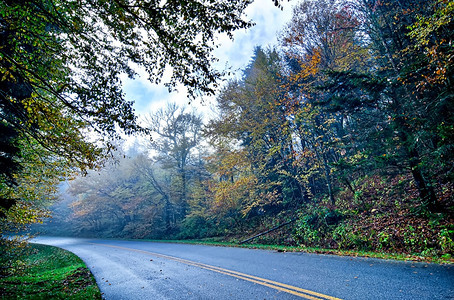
<point>236,54</point>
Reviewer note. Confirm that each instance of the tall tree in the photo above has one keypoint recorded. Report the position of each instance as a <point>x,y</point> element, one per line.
<point>432,74</point>
<point>387,23</point>
<point>320,39</point>
<point>60,67</point>
<point>178,135</point>
<point>253,120</point>
<point>389,98</point>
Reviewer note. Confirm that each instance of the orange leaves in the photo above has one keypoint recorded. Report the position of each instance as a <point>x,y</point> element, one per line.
<point>432,35</point>
<point>310,68</point>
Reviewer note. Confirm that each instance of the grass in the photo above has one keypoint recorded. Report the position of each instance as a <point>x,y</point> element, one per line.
<point>49,273</point>
<point>353,253</point>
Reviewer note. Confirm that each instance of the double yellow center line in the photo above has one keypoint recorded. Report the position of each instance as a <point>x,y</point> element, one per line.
<point>303,293</point>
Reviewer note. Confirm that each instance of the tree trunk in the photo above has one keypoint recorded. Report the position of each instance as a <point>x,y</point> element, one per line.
<point>183,201</point>
<point>168,211</point>
<point>328,179</point>
<point>425,189</point>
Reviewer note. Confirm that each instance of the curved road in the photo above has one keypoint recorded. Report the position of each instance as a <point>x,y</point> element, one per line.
<point>146,270</point>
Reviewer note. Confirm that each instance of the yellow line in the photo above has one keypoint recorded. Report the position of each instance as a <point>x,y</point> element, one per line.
<point>262,281</point>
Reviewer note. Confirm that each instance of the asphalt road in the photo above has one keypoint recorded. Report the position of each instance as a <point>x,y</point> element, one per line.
<point>146,270</point>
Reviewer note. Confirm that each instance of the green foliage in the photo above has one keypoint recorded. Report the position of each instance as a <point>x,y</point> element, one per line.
<point>446,239</point>
<point>315,225</point>
<point>12,252</point>
<point>348,237</point>
<point>61,98</point>
<point>196,227</point>
<point>345,126</point>
<point>372,233</point>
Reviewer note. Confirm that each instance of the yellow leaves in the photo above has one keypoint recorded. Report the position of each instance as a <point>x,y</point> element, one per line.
<point>234,195</point>
<point>24,213</point>
<point>36,186</point>
<point>425,26</point>
<point>310,66</point>
<point>430,34</point>
<point>8,76</point>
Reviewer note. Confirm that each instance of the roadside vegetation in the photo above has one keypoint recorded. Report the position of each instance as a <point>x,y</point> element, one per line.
<point>316,250</point>
<point>46,272</point>
<point>62,107</point>
<point>343,130</point>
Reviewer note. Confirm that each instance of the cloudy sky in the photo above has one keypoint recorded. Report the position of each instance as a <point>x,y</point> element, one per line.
<point>269,21</point>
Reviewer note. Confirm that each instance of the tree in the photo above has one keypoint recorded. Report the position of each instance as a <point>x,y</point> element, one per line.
<point>326,32</point>
<point>432,76</point>
<point>60,68</point>
<point>233,186</point>
<point>253,122</point>
<point>162,184</point>
<point>117,201</point>
<point>388,23</point>
<point>391,114</point>
<point>179,133</point>
<point>321,39</point>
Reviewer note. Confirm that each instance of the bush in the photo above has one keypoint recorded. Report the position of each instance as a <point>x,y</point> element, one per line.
<point>12,251</point>
<point>197,227</point>
<point>316,228</point>
<point>446,240</point>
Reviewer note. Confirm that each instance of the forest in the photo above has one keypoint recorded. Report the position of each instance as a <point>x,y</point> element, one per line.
<point>345,129</point>
<point>344,132</point>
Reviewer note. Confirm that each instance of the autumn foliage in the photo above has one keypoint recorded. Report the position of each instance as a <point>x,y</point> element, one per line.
<point>344,130</point>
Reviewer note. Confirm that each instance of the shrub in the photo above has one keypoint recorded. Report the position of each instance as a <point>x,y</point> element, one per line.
<point>316,228</point>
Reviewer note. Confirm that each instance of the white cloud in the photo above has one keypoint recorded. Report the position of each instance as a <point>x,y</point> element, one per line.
<point>268,20</point>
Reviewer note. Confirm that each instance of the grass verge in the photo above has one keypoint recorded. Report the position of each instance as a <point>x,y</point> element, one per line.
<point>353,253</point>
<point>49,273</point>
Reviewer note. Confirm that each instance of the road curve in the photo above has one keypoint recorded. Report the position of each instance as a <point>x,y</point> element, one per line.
<point>146,270</point>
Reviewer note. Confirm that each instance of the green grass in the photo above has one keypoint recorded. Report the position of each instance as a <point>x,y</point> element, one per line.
<point>49,273</point>
<point>354,253</point>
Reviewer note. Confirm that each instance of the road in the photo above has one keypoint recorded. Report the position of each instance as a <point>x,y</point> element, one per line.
<point>148,270</point>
